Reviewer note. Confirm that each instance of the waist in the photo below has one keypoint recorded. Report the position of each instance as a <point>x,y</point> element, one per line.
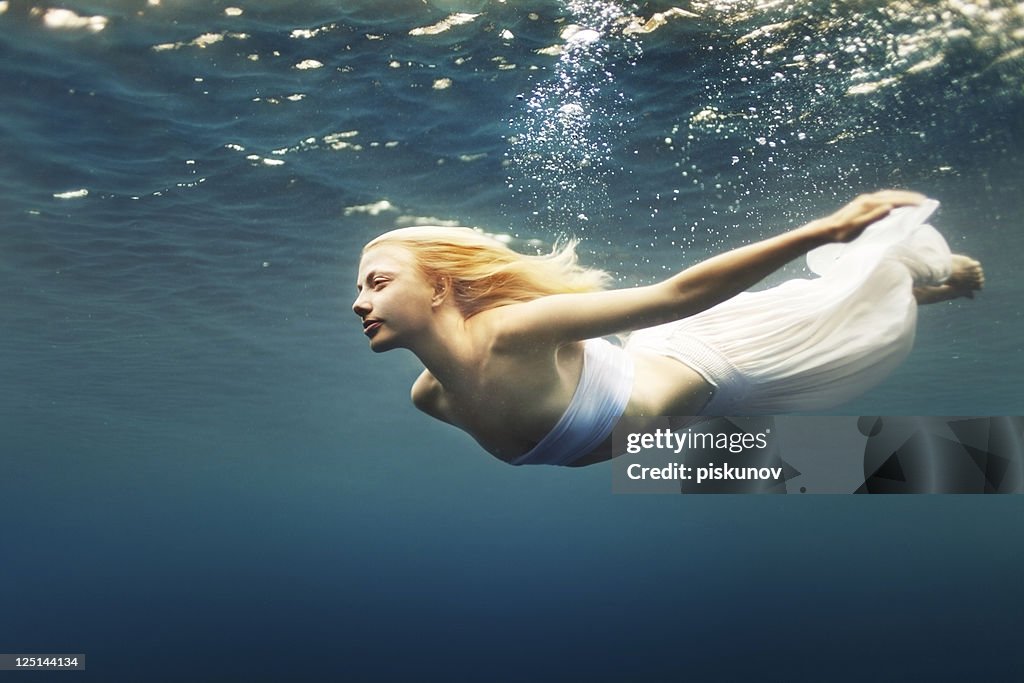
<point>665,386</point>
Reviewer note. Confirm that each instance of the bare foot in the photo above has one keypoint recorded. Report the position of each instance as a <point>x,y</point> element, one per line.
<point>967,277</point>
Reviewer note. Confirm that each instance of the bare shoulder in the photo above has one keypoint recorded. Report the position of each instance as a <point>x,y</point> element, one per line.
<point>427,395</point>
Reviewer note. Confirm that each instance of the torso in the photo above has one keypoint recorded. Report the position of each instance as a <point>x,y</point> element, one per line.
<point>512,399</point>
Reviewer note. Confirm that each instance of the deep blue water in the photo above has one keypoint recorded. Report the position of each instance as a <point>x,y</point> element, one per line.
<point>204,474</point>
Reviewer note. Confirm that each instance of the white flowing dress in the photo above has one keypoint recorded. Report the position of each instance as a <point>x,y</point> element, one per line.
<point>811,344</point>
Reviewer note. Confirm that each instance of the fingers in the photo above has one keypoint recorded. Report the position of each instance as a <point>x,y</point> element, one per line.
<point>875,213</point>
<point>894,198</point>
<point>874,206</point>
<point>847,223</point>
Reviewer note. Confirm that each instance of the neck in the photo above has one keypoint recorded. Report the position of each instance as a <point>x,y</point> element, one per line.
<point>443,348</point>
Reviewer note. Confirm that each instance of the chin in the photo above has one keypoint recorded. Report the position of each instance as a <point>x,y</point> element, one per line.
<point>380,345</point>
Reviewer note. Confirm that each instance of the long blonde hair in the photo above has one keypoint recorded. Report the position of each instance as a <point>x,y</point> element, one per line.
<point>485,273</point>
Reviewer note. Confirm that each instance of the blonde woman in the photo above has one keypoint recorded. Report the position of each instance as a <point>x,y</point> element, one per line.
<point>514,346</point>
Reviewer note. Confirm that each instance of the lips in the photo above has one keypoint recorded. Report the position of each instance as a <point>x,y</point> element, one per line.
<point>370,327</point>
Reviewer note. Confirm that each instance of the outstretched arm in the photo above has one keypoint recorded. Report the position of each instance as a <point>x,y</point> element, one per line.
<point>569,317</point>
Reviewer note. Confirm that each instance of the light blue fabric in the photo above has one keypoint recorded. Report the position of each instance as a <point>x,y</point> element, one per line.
<point>599,401</point>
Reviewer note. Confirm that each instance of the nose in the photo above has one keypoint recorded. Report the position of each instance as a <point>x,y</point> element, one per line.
<point>361,306</point>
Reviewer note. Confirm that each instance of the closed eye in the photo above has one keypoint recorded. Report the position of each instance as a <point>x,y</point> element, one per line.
<point>375,280</point>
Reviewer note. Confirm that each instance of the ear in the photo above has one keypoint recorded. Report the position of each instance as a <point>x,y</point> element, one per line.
<point>442,288</point>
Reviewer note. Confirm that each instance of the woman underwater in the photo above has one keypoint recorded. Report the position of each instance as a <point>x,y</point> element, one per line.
<point>513,344</point>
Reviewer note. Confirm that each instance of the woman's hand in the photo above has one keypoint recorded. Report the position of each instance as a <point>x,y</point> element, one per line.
<point>849,222</point>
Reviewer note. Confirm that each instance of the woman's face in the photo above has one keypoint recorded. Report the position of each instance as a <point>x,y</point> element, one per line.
<point>394,299</point>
